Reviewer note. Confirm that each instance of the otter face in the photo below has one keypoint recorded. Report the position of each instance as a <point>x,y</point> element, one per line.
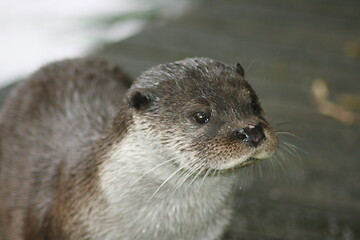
<point>204,112</point>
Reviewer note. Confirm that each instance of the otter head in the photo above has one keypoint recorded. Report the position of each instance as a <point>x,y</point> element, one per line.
<point>203,112</point>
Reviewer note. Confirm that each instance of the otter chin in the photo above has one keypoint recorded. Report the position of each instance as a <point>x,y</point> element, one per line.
<point>88,153</point>
<point>204,112</point>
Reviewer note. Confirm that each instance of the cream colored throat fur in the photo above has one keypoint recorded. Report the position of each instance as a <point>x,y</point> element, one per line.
<point>141,185</point>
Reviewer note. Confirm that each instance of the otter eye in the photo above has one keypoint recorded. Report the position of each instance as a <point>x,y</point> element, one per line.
<point>255,107</point>
<point>201,117</point>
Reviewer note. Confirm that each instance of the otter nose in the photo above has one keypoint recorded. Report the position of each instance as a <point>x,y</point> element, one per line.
<point>251,135</point>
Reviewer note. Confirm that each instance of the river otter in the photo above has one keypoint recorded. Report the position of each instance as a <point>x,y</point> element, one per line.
<point>83,156</point>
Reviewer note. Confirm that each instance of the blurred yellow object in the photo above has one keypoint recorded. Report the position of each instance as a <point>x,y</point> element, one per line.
<point>349,101</point>
<point>320,93</point>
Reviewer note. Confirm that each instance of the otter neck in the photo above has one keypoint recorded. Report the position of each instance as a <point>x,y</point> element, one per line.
<point>138,179</point>
<point>140,160</point>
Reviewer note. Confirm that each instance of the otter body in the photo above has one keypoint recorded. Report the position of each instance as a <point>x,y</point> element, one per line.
<point>84,157</point>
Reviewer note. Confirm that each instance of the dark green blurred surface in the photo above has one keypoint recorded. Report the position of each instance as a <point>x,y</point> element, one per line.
<point>285,46</point>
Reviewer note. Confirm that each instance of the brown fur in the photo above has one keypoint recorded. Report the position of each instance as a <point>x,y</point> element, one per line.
<point>38,196</point>
<point>74,143</point>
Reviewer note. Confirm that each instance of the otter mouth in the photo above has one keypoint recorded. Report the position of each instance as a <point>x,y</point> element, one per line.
<point>248,162</point>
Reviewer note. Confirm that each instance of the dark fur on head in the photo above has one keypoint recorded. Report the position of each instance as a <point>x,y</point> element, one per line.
<point>170,94</point>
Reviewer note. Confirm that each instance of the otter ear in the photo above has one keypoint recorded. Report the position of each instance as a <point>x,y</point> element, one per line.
<point>139,100</point>
<point>240,70</point>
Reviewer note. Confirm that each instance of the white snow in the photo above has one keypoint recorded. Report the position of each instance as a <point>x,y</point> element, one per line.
<point>35,32</point>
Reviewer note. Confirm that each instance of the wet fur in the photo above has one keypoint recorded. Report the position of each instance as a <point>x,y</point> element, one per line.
<point>51,125</point>
<point>78,161</point>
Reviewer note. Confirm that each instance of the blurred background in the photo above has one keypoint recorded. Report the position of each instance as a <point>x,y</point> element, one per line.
<point>302,58</point>
<point>35,32</point>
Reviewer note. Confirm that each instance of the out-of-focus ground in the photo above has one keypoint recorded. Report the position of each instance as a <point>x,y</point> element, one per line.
<point>303,59</point>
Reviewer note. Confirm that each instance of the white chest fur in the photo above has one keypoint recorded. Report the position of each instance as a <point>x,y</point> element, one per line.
<point>145,201</point>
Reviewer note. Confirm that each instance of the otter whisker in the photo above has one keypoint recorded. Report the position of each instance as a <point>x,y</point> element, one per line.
<point>278,161</point>
<point>294,148</point>
<point>249,66</point>
<point>202,181</point>
<point>290,134</point>
<point>280,124</point>
<point>271,161</point>
<point>252,170</point>
<point>185,177</point>
<point>164,182</point>
<point>260,170</point>
<point>291,150</point>
<point>200,170</point>
<point>151,170</point>
<point>247,174</point>
<point>281,159</point>
<point>273,166</point>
